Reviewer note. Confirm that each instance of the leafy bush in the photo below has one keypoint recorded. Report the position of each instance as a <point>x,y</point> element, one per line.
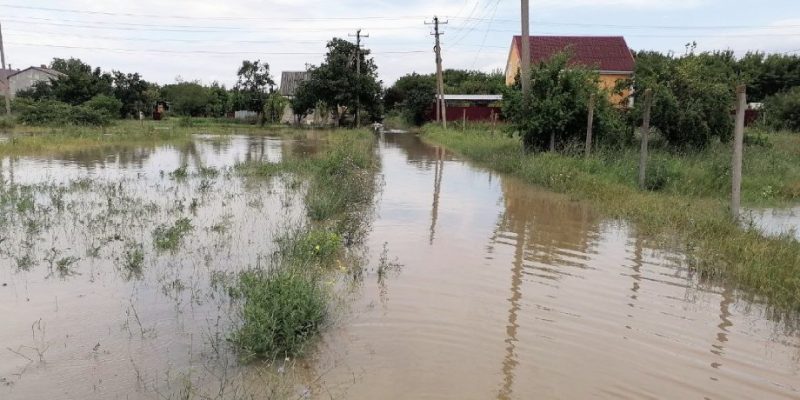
<point>274,108</point>
<point>693,96</point>
<point>107,104</point>
<point>782,111</point>
<point>282,311</point>
<point>556,109</point>
<point>50,112</point>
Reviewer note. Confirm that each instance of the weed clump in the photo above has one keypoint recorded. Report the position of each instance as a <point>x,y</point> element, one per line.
<point>282,311</point>
<point>169,237</point>
<point>313,246</point>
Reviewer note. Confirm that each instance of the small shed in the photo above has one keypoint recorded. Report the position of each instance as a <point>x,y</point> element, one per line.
<point>472,107</point>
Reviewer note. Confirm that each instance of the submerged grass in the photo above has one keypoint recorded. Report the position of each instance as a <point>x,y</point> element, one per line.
<point>170,237</point>
<point>284,305</point>
<point>691,202</point>
<point>36,139</point>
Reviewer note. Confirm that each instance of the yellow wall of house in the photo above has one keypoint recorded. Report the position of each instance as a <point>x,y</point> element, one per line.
<point>608,81</point>
<point>512,65</point>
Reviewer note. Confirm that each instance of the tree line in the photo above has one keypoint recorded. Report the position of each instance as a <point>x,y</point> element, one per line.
<point>693,98</point>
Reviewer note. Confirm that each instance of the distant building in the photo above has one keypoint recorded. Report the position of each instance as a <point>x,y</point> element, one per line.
<point>608,55</point>
<point>291,80</point>
<point>470,107</point>
<point>28,77</point>
<point>4,73</point>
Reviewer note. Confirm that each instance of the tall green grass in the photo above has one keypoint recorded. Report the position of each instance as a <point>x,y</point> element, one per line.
<point>692,203</point>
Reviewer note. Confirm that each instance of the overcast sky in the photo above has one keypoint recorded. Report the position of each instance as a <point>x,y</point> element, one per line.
<point>206,40</point>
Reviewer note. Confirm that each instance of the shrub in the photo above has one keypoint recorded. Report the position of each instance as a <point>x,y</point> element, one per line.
<point>7,122</point>
<point>106,104</point>
<point>50,112</point>
<point>282,311</point>
<point>556,109</point>
<point>693,96</point>
<point>660,174</point>
<point>782,111</point>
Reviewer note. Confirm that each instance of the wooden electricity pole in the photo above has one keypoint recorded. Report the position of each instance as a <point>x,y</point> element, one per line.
<point>441,106</point>
<point>648,103</point>
<point>738,144</point>
<point>7,88</point>
<point>358,37</point>
<point>589,126</point>
<point>525,54</point>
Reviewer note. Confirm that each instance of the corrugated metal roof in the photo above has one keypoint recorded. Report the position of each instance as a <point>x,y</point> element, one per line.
<point>290,81</point>
<point>604,53</point>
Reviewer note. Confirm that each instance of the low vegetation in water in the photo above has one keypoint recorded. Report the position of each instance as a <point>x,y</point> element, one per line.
<point>691,200</point>
<point>281,311</point>
<point>26,139</point>
<point>284,304</point>
<point>169,237</point>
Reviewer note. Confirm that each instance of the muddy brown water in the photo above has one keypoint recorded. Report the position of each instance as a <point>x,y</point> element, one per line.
<point>501,291</point>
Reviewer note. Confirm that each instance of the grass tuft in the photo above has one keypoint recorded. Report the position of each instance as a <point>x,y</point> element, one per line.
<point>282,311</point>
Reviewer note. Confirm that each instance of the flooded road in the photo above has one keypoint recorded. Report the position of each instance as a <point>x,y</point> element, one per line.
<point>500,290</point>
<point>511,292</point>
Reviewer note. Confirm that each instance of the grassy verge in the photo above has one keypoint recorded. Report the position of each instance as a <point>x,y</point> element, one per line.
<point>285,304</point>
<point>691,203</point>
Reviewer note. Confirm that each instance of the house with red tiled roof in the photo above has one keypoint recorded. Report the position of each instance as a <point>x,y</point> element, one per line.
<point>610,56</point>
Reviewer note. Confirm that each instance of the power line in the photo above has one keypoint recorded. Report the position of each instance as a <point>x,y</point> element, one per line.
<point>680,27</point>
<point>201,29</point>
<point>485,34</point>
<point>211,52</point>
<point>222,18</point>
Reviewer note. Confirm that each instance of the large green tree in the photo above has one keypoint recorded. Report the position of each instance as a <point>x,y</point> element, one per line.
<point>131,90</point>
<point>412,95</point>
<point>186,98</point>
<point>693,95</point>
<point>336,83</point>
<point>253,86</point>
<point>80,82</point>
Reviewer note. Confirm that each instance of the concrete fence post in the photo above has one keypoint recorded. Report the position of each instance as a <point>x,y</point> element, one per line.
<point>738,145</point>
<point>648,103</point>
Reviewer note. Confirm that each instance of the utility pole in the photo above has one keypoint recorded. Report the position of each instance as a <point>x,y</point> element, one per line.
<point>738,139</point>
<point>441,106</point>
<point>358,37</point>
<point>7,88</point>
<point>525,53</point>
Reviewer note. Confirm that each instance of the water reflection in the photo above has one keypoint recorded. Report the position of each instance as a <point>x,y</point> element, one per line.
<point>512,292</point>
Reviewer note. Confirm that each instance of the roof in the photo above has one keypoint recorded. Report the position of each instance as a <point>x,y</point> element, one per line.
<point>46,70</point>
<point>6,72</point>
<point>604,53</point>
<point>290,81</point>
<point>473,97</point>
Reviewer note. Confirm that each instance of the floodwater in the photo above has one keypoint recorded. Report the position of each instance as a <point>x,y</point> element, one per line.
<point>500,290</point>
<point>777,221</point>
